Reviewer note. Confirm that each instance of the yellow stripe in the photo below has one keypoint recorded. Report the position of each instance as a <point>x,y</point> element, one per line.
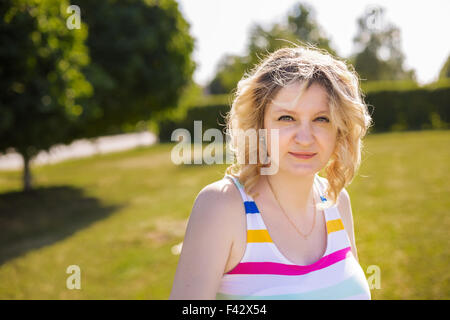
<point>335,225</point>
<point>258,236</point>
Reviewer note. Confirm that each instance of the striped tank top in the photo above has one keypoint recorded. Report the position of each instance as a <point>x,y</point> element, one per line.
<point>265,273</point>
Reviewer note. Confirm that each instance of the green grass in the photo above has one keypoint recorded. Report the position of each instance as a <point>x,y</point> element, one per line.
<point>118,215</point>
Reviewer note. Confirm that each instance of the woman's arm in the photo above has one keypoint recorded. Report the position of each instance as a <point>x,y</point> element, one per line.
<point>206,246</point>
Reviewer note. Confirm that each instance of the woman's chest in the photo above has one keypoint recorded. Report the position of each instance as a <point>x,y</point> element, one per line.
<point>283,239</point>
<point>300,242</point>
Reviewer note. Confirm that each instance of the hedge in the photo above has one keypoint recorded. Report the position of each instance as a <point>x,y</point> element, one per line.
<point>410,109</point>
<point>212,116</point>
<point>392,110</point>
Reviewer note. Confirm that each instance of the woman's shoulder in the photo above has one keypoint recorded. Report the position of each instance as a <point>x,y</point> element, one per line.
<point>209,239</point>
<point>222,190</point>
<point>219,200</point>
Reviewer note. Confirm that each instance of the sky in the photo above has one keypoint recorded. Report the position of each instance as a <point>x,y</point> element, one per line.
<point>222,27</point>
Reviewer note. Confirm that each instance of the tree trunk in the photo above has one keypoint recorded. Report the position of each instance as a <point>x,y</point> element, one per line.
<point>26,173</point>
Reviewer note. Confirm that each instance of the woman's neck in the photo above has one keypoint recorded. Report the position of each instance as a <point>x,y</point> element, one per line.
<point>294,193</point>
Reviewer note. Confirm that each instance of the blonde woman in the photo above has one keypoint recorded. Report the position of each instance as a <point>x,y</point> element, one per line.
<point>288,234</point>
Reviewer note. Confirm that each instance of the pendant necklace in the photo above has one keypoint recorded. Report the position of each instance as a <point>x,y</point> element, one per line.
<point>304,236</point>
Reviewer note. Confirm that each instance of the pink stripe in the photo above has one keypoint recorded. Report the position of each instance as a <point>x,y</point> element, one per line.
<point>288,269</point>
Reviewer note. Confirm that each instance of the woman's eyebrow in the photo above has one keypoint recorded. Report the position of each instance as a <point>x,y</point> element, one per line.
<point>283,110</point>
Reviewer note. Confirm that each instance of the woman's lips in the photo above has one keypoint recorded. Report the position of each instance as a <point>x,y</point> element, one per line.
<point>303,155</point>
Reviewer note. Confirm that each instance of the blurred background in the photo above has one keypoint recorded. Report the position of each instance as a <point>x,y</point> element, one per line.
<point>91,91</point>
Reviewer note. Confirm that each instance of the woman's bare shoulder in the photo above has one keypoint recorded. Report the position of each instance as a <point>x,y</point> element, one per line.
<point>208,241</point>
<point>221,199</point>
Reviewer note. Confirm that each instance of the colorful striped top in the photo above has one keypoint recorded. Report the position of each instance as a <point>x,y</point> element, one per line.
<point>265,273</point>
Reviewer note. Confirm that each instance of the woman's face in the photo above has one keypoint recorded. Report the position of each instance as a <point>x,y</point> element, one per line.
<point>305,128</point>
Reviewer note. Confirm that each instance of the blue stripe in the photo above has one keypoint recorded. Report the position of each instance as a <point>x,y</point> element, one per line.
<point>250,207</point>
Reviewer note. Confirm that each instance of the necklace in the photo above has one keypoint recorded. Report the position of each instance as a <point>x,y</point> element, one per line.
<point>304,236</point>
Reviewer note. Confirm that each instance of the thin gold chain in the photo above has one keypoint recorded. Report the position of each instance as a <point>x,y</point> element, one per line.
<point>305,236</point>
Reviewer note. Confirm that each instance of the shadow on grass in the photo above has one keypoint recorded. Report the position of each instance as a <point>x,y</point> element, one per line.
<point>31,220</point>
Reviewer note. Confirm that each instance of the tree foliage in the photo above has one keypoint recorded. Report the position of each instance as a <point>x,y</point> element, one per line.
<point>40,76</point>
<point>140,60</point>
<point>379,55</point>
<point>129,60</point>
<point>303,24</point>
<point>299,26</point>
<point>445,70</point>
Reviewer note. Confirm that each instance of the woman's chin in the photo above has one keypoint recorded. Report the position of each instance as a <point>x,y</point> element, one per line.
<point>301,169</point>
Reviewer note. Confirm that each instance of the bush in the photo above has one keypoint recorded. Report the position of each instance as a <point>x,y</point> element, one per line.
<point>393,106</point>
<point>404,85</point>
<point>212,116</point>
<point>416,109</point>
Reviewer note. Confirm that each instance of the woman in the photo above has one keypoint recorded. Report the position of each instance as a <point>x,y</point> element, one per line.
<point>286,234</point>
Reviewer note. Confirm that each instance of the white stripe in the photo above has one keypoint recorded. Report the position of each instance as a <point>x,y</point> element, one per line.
<point>261,252</point>
<point>239,187</point>
<point>333,213</point>
<point>337,240</point>
<point>254,221</point>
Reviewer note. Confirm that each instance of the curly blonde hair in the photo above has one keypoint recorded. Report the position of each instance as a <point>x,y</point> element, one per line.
<point>307,65</point>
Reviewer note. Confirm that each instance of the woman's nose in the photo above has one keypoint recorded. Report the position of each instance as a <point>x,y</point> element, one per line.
<point>304,134</point>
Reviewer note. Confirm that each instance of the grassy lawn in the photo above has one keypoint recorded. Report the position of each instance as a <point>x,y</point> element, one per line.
<point>117,217</point>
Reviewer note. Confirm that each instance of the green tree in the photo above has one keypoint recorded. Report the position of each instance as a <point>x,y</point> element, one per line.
<point>303,24</point>
<point>378,45</point>
<point>229,71</point>
<point>140,61</point>
<point>40,77</point>
<point>232,67</point>
<point>263,41</point>
<point>299,26</point>
<point>445,70</point>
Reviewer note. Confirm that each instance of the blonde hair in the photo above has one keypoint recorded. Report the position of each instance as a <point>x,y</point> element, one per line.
<point>306,65</point>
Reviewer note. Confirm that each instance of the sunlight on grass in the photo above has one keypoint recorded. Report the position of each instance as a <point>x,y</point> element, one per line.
<point>118,216</point>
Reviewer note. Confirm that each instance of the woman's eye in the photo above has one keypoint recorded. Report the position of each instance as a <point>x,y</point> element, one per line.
<point>323,119</point>
<point>290,118</point>
<point>284,117</point>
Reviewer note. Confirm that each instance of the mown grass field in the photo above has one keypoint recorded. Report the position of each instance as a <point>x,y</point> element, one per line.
<point>117,217</point>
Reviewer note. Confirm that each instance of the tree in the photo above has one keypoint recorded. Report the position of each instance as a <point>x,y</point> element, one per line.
<point>140,61</point>
<point>263,41</point>
<point>232,67</point>
<point>299,26</point>
<point>140,54</point>
<point>445,70</point>
<point>40,77</point>
<point>378,42</point>
<point>229,71</point>
<point>303,24</point>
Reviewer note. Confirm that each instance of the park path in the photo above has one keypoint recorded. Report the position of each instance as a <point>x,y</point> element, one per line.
<point>81,148</point>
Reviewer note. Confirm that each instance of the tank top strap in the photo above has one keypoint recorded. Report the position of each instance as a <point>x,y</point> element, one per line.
<point>249,203</point>
<point>239,186</point>
<point>335,227</point>
<point>321,188</point>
